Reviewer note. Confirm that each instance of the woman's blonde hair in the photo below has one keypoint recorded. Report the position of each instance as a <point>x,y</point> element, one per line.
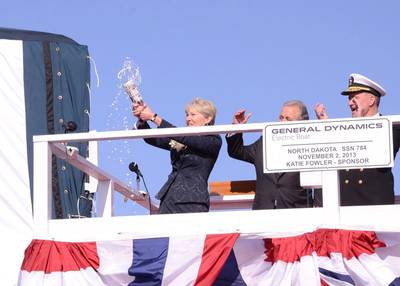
<point>205,107</point>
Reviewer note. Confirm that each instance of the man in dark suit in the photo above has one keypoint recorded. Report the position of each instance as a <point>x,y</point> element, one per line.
<point>365,186</point>
<point>277,190</point>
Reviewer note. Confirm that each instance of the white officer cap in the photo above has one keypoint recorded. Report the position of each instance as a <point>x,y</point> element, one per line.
<point>358,82</point>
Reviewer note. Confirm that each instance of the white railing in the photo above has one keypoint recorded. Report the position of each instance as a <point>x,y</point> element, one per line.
<point>107,226</point>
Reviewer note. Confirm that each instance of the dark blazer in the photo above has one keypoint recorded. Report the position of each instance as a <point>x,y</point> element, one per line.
<point>277,190</point>
<point>369,186</point>
<point>191,167</point>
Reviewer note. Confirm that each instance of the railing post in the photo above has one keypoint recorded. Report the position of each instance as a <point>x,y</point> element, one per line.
<point>104,198</point>
<point>41,187</point>
<point>91,185</point>
<point>331,197</point>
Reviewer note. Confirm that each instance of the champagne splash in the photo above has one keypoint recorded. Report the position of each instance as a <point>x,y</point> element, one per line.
<point>129,71</point>
<point>120,152</point>
<point>130,76</point>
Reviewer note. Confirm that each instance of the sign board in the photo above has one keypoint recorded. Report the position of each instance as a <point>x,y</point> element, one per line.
<point>328,145</point>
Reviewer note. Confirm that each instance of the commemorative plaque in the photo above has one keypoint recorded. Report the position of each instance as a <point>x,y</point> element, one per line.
<point>328,145</point>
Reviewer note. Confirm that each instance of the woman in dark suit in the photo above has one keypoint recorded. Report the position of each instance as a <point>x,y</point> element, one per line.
<point>192,158</point>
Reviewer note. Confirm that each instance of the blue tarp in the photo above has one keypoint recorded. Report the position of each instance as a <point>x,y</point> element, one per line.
<point>56,88</point>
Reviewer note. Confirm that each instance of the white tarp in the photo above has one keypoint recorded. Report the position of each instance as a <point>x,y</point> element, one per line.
<point>15,202</point>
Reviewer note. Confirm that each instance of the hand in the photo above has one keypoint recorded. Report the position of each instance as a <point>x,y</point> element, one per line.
<point>146,113</point>
<point>240,117</point>
<point>320,111</point>
<point>137,109</point>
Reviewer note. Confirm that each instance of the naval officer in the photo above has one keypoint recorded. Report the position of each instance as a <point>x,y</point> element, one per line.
<point>365,186</point>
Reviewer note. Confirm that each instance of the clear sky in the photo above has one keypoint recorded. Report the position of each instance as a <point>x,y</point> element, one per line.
<point>239,54</point>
